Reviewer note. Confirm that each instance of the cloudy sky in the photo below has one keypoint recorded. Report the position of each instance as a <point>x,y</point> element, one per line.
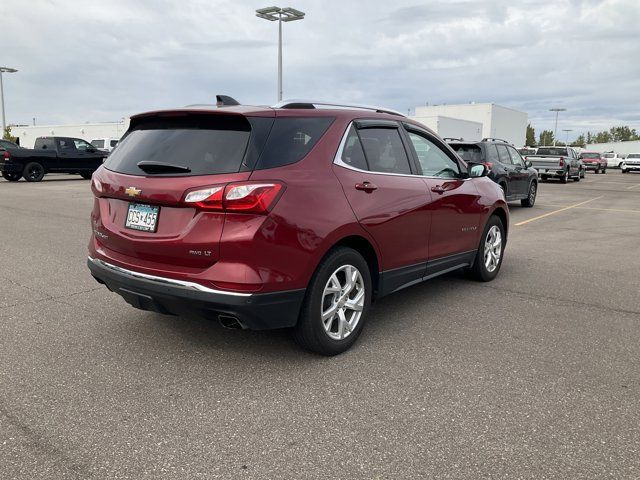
<point>91,60</point>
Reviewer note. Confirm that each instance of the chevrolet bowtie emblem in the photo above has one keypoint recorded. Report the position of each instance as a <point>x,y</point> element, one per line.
<point>132,191</point>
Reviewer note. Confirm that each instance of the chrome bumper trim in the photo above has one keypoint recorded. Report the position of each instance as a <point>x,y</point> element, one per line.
<point>164,280</point>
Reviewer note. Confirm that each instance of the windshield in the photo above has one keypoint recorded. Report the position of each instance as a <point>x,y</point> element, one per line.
<point>552,151</point>
<point>608,155</point>
<point>590,155</point>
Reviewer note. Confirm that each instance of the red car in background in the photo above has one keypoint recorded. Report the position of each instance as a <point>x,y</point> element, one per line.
<point>594,161</point>
<point>299,215</point>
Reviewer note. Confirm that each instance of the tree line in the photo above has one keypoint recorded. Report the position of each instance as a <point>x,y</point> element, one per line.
<point>621,133</point>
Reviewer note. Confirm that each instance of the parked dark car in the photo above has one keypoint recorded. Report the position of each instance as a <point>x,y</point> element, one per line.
<point>593,161</point>
<point>506,167</point>
<point>287,216</point>
<point>51,154</point>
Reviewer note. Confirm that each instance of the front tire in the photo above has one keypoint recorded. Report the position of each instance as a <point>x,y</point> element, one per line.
<point>33,172</point>
<point>531,196</point>
<point>490,252</point>
<point>11,176</point>
<point>336,304</point>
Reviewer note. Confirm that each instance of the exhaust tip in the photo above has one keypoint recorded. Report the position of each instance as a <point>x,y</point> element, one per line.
<point>231,322</point>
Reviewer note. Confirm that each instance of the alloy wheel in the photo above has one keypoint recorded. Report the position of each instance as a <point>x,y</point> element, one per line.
<point>532,193</point>
<point>342,302</point>
<point>492,248</point>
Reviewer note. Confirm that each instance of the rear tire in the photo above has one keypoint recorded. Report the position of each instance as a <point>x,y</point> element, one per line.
<point>490,251</point>
<point>343,303</point>
<point>604,170</point>
<point>11,177</point>
<point>33,172</point>
<point>577,178</point>
<point>86,175</point>
<point>565,177</point>
<point>625,171</point>
<point>531,196</point>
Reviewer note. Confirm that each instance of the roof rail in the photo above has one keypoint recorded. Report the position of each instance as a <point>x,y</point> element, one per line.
<point>453,139</point>
<point>491,139</point>
<point>315,104</point>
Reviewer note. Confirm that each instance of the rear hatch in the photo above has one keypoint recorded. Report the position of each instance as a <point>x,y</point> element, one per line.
<point>142,206</point>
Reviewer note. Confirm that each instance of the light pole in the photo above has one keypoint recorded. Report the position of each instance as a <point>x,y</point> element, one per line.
<point>567,130</point>
<point>281,15</point>
<point>555,130</point>
<point>4,70</point>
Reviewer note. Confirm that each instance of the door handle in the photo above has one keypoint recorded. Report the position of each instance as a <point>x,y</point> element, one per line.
<point>438,189</point>
<point>366,186</point>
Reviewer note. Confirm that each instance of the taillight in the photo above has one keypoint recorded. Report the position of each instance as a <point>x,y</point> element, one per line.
<point>488,165</point>
<point>562,161</point>
<point>6,155</point>
<point>257,198</point>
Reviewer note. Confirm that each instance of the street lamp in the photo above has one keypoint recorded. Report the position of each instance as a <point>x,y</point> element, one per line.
<point>567,130</point>
<point>555,130</point>
<point>4,70</point>
<point>281,15</point>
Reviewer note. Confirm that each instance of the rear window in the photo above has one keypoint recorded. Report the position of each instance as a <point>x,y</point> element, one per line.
<point>206,145</point>
<point>552,151</point>
<point>469,153</point>
<point>291,139</point>
<point>97,143</point>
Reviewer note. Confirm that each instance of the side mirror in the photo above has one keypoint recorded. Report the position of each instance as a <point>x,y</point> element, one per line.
<point>478,170</point>
<point>528,164</point>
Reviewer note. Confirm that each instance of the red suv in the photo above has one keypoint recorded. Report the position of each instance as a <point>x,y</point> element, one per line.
<point>298,215</point>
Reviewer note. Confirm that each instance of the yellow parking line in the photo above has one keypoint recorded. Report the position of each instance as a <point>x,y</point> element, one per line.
<point>594,208</point>
<point>557,211</point>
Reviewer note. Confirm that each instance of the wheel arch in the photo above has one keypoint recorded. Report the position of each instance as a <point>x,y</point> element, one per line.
<point>501,213</point>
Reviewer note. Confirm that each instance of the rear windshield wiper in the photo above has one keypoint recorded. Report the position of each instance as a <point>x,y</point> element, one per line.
<point>161,167</point>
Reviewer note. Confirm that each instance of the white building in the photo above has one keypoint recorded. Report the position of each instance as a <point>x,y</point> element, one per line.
<point>87,131</point>
<point>625,148</point>
<point>452,127</point>
<point>497,121</point>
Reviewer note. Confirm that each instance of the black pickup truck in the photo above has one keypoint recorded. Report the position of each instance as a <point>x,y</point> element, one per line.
<point>49,155</point>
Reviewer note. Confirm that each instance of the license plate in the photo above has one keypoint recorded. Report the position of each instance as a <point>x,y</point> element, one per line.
<point>142,217</point>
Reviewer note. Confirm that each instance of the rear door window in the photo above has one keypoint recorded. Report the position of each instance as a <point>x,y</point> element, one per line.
<point>384,150</point>
<point>291,139</point>
<point>205,145</point>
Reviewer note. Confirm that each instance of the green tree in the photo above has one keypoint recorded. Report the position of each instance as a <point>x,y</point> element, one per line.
<point>623,133</point>
<point>579,142</point>
<point>546,138</point>
<point>589,137</point>
<point>602,137</point>
<point>531,136</point>
<point>7,134</point>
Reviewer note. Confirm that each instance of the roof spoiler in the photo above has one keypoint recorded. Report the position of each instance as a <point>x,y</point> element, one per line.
<point>226,101</point>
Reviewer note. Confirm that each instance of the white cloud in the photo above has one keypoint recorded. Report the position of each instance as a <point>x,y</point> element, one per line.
<point>95,60</point>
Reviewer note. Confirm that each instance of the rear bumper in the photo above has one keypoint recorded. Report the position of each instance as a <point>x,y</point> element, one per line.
<point>10,167</point>
<point>549,172</point>
<point>168,296</point>
<point>593,166</point>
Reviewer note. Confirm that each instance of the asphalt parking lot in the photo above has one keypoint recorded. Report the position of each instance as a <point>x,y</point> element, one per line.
<point>535,375</point>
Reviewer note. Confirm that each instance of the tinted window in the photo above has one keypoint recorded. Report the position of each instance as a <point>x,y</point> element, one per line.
<point>291,139</point>
<point>66,145</point>
<point>45,143</point>
<point>97,143</point>
<point>492,153</point>
<point>206,145</point>
<point>516,159</point>
<point>352,154</point>
<point>503,154</point>
<point>469,153</point>
<point>384,150</point>
<point>433,160</point>
<point>552,151</point>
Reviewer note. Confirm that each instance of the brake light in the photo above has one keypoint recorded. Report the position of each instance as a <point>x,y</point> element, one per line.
<point>257,198</point>
<point>6,155</point>
<point>562,161</point>
<point>488,165</point>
